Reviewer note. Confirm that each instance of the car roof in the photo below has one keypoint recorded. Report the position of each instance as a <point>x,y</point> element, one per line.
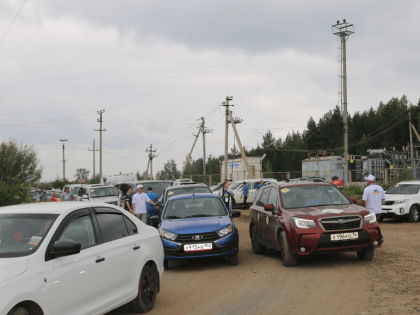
<point>186,186</point>
<point>417,182</point>
<point>303,183</point>
<point>49,207</point>
<point>189,196</point>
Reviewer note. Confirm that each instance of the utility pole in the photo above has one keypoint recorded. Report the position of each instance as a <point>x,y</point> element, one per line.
<point>204,131</point>
<point>100,112</point>
<point>151,156</point>
<point>189,155</point>
<point>64,160</point>
<point>226,104</point>
<point>411,136</point>
<point>94,149</point>
<point>343,31</point>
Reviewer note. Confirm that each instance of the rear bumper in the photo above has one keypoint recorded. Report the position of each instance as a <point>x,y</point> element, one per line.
<point>225,246</point>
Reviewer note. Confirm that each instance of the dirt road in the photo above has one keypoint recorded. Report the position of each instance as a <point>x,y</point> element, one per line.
<point>338,284</point>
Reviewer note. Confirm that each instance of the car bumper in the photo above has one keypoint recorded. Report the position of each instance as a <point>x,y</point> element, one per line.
<point>316,243</point>
<point>225,246</point>
<point>395,210</point>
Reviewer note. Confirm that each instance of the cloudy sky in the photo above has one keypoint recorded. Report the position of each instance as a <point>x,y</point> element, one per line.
<point>157,67</point>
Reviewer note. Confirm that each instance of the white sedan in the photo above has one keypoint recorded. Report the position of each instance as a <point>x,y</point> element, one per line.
<point>74,258</point>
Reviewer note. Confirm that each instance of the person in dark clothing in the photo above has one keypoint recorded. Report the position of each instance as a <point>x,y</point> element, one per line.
<point>128,201</point>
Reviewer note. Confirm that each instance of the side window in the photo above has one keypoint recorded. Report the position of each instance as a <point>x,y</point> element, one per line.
<point>80,230</point>
<point>132,228</point>
<point>273,198</point>
<point>264,197</point>
<point>258,199</point>
<point>111,223</point>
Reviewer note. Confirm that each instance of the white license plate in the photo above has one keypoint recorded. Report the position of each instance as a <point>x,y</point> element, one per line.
<point>344,236</point>
<point>197,247</point>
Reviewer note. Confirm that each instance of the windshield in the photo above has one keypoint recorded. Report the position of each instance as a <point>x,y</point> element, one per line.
<point>215,187</point>
<point>194,207</point>
<point>234,186</point>
<point>101,191</point>
<point>157,187</point>
<point>74,190</point>
<point>404,189</point>
<point>21,234</point>
<point>312,196</point>
<point>185,190</point>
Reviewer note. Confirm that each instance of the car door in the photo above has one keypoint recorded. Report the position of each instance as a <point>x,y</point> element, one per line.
<point>76,281</point>
<point>121,248</point>
<point>271,219</point>
<point>261,214</point>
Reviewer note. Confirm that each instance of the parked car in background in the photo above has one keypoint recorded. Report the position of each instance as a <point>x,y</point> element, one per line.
<point>306,218</point>
<point>97,193</point>
<point>66,258</point>
<point>157,186</point>
<point>182,181</point>
<point>35,195</point>
<point>195,226</point>
<point>73,189</point>
<point>47,194</point>
<point>252,184</point>
<point>402,201</point>
<point>184,190</point>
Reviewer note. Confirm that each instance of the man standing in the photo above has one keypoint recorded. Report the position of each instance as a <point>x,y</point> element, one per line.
<point>260,184</point>
<point>128,201</point>
<point>139,204</point>
<point>245,191</point>
<point>373,196</point>
<point>66,195</point>
<point>151,210</point>
<point>226,196</point>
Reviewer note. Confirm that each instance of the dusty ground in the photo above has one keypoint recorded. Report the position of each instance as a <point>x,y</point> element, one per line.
<point>338,284</point>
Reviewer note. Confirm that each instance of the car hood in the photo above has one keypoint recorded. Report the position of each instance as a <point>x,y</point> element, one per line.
<point>11,267</point>
<point>195,225</point>
<point>398,197</point>
<point>314,213</point>
<point>105,199</point>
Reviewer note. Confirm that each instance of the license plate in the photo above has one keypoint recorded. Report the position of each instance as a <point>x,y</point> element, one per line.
<point>197,247</point>
<point>344,236</point>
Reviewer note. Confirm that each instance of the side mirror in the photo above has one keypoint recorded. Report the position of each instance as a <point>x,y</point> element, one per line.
<point>269,207</point>
<point>155,219</point>
<point>158,203</point>
<point>85,197</point>
<point>235,214</point>
<point>353,200</point>
<point>65,248</point>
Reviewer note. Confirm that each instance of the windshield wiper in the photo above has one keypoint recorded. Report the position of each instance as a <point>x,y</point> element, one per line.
<point>198,215</point>
<point>173,217</point>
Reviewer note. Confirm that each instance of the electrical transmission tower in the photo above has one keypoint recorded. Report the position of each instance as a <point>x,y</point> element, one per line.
<point>64,160</point>
<point>204,131</point>
<point>151,156</point>
<point>94,150</point>
<point>100,112</point>
<point>226,104</point>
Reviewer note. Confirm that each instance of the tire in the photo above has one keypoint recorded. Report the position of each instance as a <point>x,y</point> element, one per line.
<point>413,217</point>
<point>166,264</point>
<point>19,311</point>
<point>257,248</point>
<point>381,219</point>
<point>147,291</point>
<point>366,254</point>
<point>289,260</point>
<point>234,259</point>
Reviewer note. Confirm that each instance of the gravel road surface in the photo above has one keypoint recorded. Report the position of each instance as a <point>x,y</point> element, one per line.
<point>324,284</point>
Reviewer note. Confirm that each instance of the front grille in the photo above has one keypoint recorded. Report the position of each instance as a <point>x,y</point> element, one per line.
<point>332,224</point>
<point>389,203</point>
<point>188,238</point>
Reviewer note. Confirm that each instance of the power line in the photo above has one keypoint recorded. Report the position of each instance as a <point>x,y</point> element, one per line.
<point>12,21</point>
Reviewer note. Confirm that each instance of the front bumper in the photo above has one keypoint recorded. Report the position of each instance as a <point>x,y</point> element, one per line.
<point>224,246</point>
<point>320,242</point>
<point>395,210</point>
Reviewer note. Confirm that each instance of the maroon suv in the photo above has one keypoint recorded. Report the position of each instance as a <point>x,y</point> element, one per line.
<point>305,218</point>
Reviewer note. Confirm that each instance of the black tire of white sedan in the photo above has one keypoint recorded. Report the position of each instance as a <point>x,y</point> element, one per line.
<point>413,217</point>
<point>366,254</point>
<point>147,291</point>
<point>289,260</point>
<point>257,248</point>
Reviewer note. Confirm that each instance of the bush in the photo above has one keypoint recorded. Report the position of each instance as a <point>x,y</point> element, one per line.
<point>14,193</point>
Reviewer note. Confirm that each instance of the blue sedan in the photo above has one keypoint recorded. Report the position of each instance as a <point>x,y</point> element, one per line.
<point>195,226</point>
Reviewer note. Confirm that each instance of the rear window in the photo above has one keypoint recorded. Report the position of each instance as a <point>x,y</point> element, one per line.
<point>185,190</point>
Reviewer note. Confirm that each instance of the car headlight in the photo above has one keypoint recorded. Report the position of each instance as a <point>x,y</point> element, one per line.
<point>168,235</point>
<point>303,223</point>
<point>225,231</point>
<point>370,218</point>
<point>400,201</point>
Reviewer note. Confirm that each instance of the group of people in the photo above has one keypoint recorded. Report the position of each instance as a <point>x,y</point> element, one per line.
<point>141,205</point>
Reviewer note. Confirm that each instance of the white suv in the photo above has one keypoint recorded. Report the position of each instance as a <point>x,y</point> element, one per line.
<point>402,200</point>
<point>252,184</point>
<point>97,193</point>
<point>71,258</point>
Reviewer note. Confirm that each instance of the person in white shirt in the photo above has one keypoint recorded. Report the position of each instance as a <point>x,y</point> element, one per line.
<point>373,195</point>
<point>139,204</point>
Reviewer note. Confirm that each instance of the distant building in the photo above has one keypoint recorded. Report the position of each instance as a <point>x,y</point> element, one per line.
<point>237,169</point>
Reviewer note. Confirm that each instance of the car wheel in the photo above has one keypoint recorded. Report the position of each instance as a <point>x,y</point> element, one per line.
<point>287,257</point>
<point>19,311</point>
<point>147,292</point>
<point>166,264</point>
<point>413,217</point>
<point>366,254</point>
<point>234,259</point>
<point>257,248</point>
<point>381,219</point>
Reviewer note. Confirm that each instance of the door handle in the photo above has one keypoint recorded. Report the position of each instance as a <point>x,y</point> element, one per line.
<point>100,259</point>
<point>136,247</point>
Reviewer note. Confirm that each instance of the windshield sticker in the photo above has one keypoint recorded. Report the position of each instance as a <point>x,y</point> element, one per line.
<point>18,236</point>
<point>285,190</point>
<point>35,240</point>
<point>397,185</point>
<point>170,193</point>
<point>332,211</point>
<point>91,190</point>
